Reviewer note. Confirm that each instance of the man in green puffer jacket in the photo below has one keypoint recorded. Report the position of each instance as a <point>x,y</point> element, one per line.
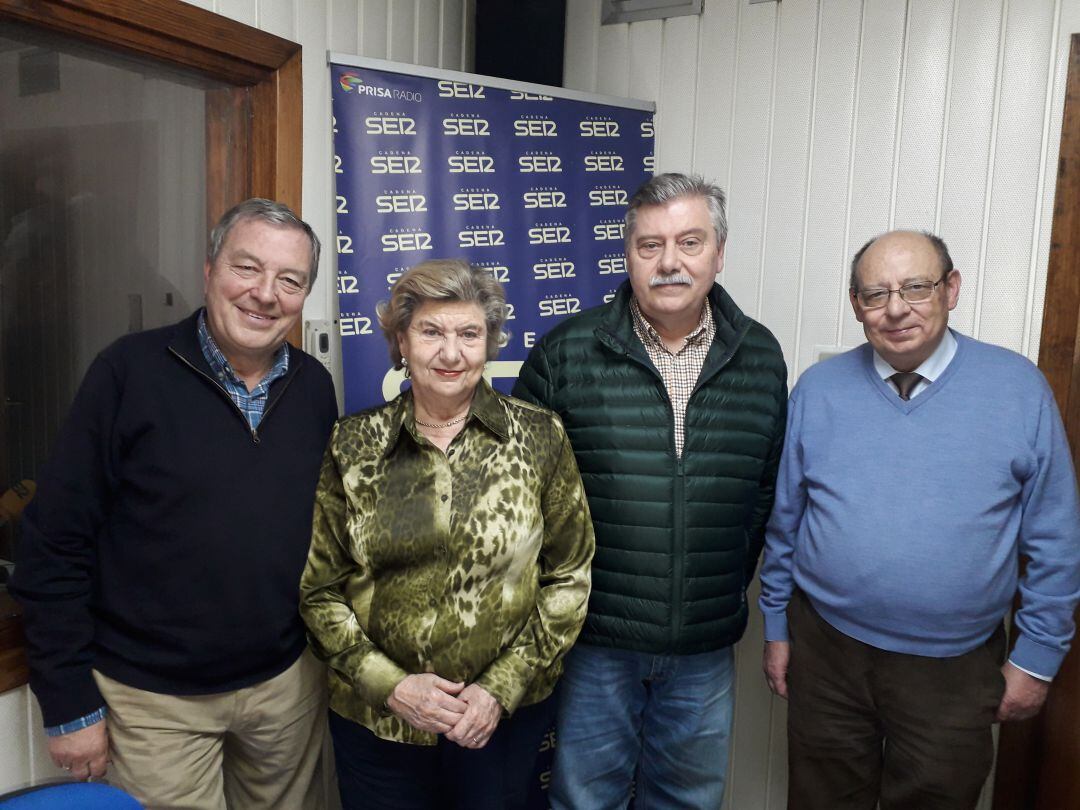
<point>675,404</point>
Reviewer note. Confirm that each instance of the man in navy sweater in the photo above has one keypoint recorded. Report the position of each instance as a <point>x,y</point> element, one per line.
<point>917,470</point>
<point>159,564</point>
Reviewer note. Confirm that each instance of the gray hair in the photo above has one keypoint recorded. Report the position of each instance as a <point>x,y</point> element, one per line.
<point>443,280</point>
<point>664,188</point>
<point>274,213</point>
<point>944,259</point>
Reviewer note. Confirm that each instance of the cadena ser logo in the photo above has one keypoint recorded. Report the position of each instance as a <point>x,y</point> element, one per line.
<point>476,199</point>
<point>535,126</point>
<point>481,236</point>
<point>544,197</point>
<point>550,233</point>
<point>533,162</point>
<point>402,240</point>
<point>607,229</point>
<point>558,305</point>
<point>351,82</point>
<point>390,124</point>
<point>598,126</point>
<point>520,95</point>
<point>603,162</point>
<point>607,195</point>
<point>611,264</point>
<point>395,162</point>
<point>351,324</point>
<point>471,163</point>
<point>553,269</point>
<point>400,202</point>
<point>466,125</point>
<point>448,89</point>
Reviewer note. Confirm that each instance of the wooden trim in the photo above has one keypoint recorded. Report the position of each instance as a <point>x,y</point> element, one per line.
<point>254,135</point>
<point>1037,758</point>
<point>164,30</point>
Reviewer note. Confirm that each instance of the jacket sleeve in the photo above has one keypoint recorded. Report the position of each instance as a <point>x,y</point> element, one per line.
<point>534,380</point>
<point>766,492</point>
<point>562,600</point>
<point>333,630</point>
<point>777,578</point>
<point>56,564</point>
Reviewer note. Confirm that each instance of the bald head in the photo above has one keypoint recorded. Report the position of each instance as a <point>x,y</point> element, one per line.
<point>903,287</point>
<point>910,240</point>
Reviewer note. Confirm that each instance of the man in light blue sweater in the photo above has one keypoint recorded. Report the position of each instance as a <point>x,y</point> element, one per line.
<point>917,470</point>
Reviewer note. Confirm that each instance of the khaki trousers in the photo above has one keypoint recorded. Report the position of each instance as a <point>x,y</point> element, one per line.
<point>250,749</point>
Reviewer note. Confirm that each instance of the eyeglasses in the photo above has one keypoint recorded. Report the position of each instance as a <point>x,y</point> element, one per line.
<point>914,293</point>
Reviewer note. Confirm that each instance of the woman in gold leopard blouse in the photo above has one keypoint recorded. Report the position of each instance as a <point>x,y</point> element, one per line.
<point>449,565</point>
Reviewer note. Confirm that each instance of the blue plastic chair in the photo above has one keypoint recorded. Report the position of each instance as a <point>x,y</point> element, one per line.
<point>70,796</point>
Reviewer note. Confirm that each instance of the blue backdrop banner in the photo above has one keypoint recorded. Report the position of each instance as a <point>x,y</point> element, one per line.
<point>532,187</point>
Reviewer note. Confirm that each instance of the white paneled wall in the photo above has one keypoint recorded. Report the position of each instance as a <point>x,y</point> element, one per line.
<point>830,121</point>
<point>439,33</point>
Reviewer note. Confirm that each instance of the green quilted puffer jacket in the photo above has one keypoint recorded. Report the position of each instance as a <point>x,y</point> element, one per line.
<point>677,540</point>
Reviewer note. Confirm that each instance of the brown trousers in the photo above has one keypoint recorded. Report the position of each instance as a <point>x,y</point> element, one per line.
<point>256,748</point>
<point>867,725</point>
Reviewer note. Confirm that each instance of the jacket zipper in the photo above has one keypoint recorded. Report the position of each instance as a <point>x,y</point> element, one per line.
<point>679,561</point>
<point>266,411</point>
<point>678,529</point>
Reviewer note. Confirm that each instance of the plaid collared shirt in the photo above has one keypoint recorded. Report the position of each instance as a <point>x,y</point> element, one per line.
<point>680,370</point>
<point>252,403</point>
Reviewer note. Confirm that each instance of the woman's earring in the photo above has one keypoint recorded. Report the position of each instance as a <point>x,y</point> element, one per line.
<point>405,365</point>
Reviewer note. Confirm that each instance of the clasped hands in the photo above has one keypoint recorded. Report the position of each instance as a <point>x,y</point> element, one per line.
<point>466,715</point>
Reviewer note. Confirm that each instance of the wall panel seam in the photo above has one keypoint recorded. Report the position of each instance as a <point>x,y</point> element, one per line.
<point>810,139</point>
<point>777,31</point>
<point>851,164</point>
<point>984,236</point>
<point>898,136</point>
<point>734,102</point>
<point>697,90</point>
<point>442,30</point>
<point>1036,231</point>
<point>416,32</point>
<point>943,149</point>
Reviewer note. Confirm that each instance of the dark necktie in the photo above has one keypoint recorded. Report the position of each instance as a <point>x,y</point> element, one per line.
<point>905,382</point>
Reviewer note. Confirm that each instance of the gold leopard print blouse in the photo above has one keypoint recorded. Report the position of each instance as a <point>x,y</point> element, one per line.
<point>473,565</point>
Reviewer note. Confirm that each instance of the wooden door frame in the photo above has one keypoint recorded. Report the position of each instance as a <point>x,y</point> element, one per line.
<point>1037,759</point>
<point>254,135</point>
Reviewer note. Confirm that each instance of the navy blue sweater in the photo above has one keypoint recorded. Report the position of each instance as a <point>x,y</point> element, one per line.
<point>166,541</point>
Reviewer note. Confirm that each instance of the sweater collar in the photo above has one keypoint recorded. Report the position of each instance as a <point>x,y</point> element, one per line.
<point>184,342</point>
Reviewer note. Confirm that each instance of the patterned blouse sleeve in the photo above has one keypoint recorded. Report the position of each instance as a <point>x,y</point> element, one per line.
<point>334,633</point>
<point>565,558</point>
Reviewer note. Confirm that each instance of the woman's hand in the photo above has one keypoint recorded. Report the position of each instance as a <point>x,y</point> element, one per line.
<point>481,717</point>
<point>427,702</point>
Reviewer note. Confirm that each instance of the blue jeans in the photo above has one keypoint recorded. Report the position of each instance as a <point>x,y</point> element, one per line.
<point>664,719</point>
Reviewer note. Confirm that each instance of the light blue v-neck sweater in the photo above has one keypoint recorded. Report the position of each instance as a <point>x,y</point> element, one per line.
<point>903,521</point>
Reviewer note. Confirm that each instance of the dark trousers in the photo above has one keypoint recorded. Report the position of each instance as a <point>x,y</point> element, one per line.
<point>865,724</point>
<point>377,774</point>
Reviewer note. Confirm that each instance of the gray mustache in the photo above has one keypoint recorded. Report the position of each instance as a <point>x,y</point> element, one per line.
<point>662,281</point>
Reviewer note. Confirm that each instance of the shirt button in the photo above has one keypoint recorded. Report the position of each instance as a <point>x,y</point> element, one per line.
<point>444,497</point>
